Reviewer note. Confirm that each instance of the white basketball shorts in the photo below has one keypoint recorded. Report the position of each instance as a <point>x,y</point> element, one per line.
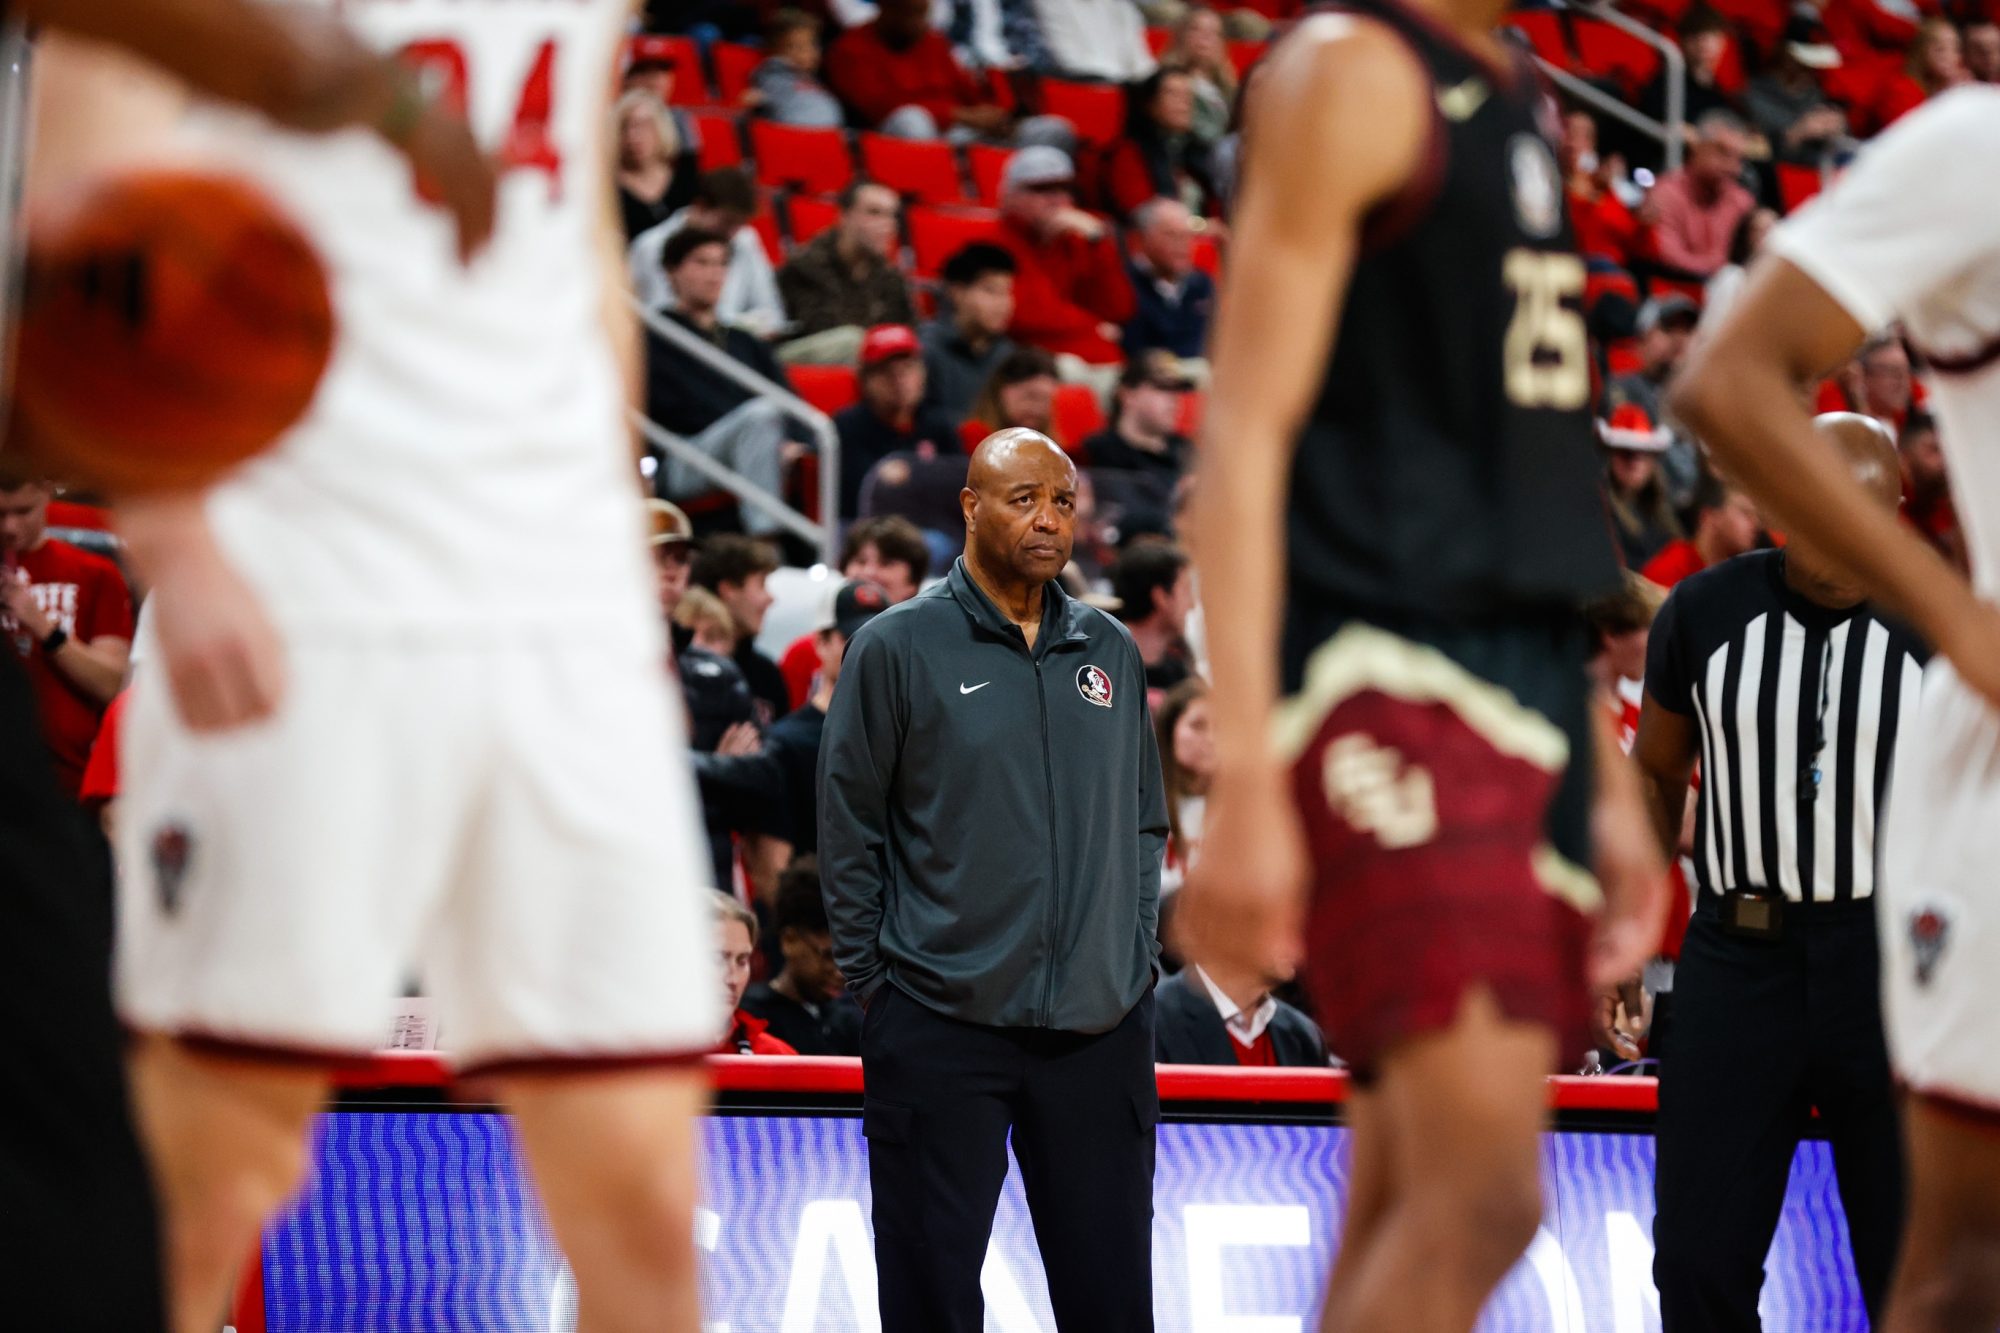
<point>1939,898</point>
<point>510,826</point>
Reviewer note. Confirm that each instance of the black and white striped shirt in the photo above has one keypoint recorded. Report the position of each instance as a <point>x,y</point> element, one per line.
<point>1796,707</point>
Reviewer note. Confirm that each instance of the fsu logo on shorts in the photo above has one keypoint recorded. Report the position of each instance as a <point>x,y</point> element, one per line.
<point>172,849</point>
<point>1930,931</point>
<point>1094,686</point>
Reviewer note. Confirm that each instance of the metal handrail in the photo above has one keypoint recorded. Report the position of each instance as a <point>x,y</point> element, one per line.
<point>826,533</point>
<point>1671,132</point>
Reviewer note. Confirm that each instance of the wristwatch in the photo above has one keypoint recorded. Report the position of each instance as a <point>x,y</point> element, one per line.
<point>57,638</point>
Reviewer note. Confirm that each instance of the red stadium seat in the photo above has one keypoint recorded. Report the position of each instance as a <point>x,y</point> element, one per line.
<point>1613,53</point>
<point>829,388</point>
<point>733,66</point>
<point>1193,403</point>
<point>1207,255</point>
<point>1078,415</point>
<point>1245,54</point>
<point>1158,40</point>
<point>1761,22</point>
<point>808,215</point>
<point>1097,110</point>
<point>923,170</point>
<point>766,224</point>
<point>816,161</point>
<point>1797,183</point>
<point>988,164</point>
<point>1544,31</point>
<point>690,78</point>
<point>721,139</point>
<point>937,234</point>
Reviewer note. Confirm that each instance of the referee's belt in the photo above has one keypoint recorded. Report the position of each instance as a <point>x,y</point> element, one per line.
<point>1759,915</point>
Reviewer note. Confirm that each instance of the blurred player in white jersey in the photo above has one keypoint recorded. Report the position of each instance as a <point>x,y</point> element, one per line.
<point>406,713</point>
<point>1910,235</point>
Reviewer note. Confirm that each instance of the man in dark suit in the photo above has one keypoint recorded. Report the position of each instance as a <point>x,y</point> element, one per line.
<point>1205,1019</point>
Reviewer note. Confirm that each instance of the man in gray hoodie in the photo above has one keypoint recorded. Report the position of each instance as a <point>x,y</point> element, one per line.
<point>991,830</point>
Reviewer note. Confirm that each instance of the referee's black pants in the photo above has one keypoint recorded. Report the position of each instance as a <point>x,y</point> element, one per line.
<point>78,1248</point>
<point>1765,1031</point>
<point>941,1098</point>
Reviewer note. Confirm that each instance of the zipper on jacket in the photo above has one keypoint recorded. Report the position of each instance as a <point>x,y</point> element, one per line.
<point>1055,862</point>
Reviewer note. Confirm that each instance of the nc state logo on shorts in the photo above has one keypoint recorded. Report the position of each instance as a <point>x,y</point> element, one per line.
<point>1930,931</point>
<point>172,849</point>
<point>1094,685</point>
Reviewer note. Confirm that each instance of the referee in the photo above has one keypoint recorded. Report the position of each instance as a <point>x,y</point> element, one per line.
<point>1772,671</point>
<point>991,830</point>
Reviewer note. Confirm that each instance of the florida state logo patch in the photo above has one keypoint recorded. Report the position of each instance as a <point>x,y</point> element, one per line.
<point>1094,685</point>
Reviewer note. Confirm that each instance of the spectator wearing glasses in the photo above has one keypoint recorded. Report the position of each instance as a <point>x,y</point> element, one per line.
<point>1072,295</point>
<point>1777,1004</point>
<point>1694,212</point>
<point>844,281</point>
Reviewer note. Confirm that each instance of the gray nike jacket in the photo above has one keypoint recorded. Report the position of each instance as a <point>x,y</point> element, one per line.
<point>991,818</point>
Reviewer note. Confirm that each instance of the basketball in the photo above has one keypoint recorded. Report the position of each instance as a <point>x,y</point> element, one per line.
<point>173,325</point>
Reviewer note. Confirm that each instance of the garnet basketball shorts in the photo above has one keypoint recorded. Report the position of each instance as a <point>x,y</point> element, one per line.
<point>509,823</point>
<point>1443,777</point>
<point>1940,925</point>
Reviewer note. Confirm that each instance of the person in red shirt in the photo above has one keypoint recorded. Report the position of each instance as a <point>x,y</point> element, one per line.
<point>888,552</point>
<point>900,76</point>
<point>1725,524</point>
<point>1072,295</point>
<point>68,616</point>
<point>736,930</point>
<point>1604,227</point>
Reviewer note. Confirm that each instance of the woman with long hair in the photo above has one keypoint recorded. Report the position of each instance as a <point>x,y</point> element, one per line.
<point>1936,63</point>
<point>1187,762</point>
<point>649,145</point>
<point>1200,46</point>
<point>1641,516</point>
<point>1160,156</point>
<point>1021,391</point>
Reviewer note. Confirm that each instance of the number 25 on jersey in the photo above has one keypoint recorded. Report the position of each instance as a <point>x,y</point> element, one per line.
<point>1547,350</point>
<point>528,145</point>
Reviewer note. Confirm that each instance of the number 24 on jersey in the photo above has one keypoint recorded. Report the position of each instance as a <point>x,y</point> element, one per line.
<point>528,145</point>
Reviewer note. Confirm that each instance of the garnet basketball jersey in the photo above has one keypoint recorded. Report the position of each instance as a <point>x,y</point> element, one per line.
<point>466,466</point>
<point>1447,469</point>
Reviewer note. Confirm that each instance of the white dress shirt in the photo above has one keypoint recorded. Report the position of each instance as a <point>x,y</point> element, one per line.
<point>1244,1029</point>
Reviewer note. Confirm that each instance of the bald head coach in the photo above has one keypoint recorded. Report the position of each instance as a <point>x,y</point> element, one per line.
<point>991,826</point>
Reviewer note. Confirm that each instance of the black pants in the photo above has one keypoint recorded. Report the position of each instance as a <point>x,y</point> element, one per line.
<point>941,1098</point>
<point>1764,1031</point>
<point>78,1248</point>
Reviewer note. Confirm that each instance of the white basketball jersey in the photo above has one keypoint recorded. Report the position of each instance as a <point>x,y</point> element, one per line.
<point>466,466</point>
<point>1912,234</point>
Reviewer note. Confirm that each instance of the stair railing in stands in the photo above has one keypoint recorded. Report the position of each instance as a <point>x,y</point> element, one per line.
<point>824,534</point>
<point>1672,131</point>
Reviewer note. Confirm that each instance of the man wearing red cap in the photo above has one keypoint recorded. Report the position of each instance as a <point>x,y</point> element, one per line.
<point>889,418</point>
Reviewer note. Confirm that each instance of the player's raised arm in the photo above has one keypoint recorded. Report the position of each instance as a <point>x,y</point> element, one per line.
<point>1893,232</point>
<point>1338,122</point>
<point>302,71</point>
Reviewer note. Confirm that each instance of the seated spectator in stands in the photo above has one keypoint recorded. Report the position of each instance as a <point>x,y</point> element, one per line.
<point>1982,50</point>
<point>1174,299</point>
<point>890,418</point>
<point>1020,392</point>
<point>736,945</point>
<point>1154,584</point>
<point>1071,292</point>
<point>897,75</point>
<point>1725,525</point>
<point>888,552</point>
<point>1187,764</point>
<point>962,347</point>
<point>713,413</point>
<point>1218,1015</point>
<point>1159,157</point>
<point>1704,37</point>
<point>1604,227</point>
<point>671,537</point>
<point>786,86</point>
<point>1786,102</point>
<point>802,1005</point>
<point>723,201</point>
<point>68,615</point>
<point>1665,326</point>
<point>649,156</point>
<point>709,627</point>
<point>1927,502</point>
<point>1142,434</point>
<point>1199,47</point>
<point>1694,211</point>
<point>844,281</point>
<point>1642,517</point>
<point>1887,390</point>
<point>1936,64</point>
<point>1727,284</point>
<point>735,568</point>
<point>1095,39</point>
<point>653,67</point>
<point>994,36</point>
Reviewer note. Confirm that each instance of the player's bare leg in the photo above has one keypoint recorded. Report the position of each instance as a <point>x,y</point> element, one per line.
<point>1949,1278</point>
<point>1370,1186</point>
<point>614,1156</point>
<point>1468,1105</point>
<point>227,1139</point>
